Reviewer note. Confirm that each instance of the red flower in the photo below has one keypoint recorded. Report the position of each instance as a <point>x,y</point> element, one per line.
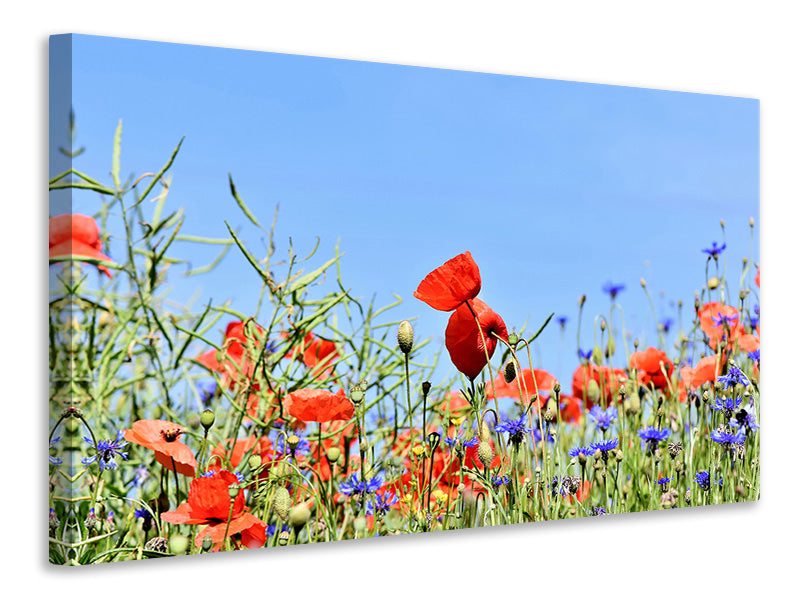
<point>649,366</point>
<point>162,437</point>
<point>544,383</point>
<point>210,504</point>
<point>78,236</point>
<point>707,369</point>
<point>455,282</point>
<point>235,363</point>
<point>261,447</point>
<point>318,355</point>
<point>721,323</point>
<point>319,405</point>
<point>571,409</point>
<point>464,341</point>
<point>758,276</point>
<point>606,378</point>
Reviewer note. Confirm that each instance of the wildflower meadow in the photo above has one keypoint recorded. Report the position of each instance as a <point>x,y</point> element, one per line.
<point>322,416</point>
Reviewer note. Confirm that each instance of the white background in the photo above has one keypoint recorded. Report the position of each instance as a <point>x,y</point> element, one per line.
<point>731,48</point>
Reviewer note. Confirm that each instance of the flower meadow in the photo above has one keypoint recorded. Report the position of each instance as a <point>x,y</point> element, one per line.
<point>316,417</point>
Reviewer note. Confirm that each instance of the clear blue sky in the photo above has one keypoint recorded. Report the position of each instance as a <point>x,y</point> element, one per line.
<point>555,187</point>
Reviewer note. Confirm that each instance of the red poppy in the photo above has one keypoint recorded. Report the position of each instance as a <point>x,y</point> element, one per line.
<point>318,354</point>
<point>649,365</point>
<point>758,276</point>
<point>235,363</point>
<point>319,405</point>
<point>260,447</point>
<point>162,438</point>
<point>455,282</point>
<point>607,379</point>
<point>76,236</point>
<point>571,409</point>
<point>722,323</point>
<point>538,379</point>
<point>464,341</point>
<point>210,504</point>
<point>707,370</point>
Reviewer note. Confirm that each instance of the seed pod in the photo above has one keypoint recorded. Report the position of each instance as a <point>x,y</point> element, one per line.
<point>485,454</point>
<point>513,339</point>
<point>333,454</point>
<point>299,516</point>
<point>510,372</point>
<point>207,419</point>
<point>254,461</point>
<point>178,544</point>
<point>405,337</point>
<point>281,502</point>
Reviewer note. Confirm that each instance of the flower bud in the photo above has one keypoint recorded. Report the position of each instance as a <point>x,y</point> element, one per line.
<point>254,461</point>
<point>333,454</point>
<point>293,441</point>
<point>485,454</point>
<point>513,339</point>
<point>582,301</point>
<point>283,538</point>
<point>360,523</point>
<point>597,355</point>
<point>510,372</point>
<point>233,491</point>
<point>178,544</point>
<point>611,348</point>
<point>426,387</point>
<point>602,325</point>
<point>356,394</point>
<point>433,440</point>
<point>207,542</point>
<point>281,502</point>
<point>713,283</point>
<point>642,282</point>
<point>593,391</point>
<point>299,516</point>
<point>556,388</point>
<point>207,419</point>
<point>405,337</point>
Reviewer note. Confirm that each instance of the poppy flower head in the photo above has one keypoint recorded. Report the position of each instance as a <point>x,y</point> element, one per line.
<point>234,362</point>
<point>606,379</point>
<point>163,438</point>
<point>536,381</point>
<point>76,235</point>
<point>652,364</point>
<point>465,342</point>
<point>319,405</point>
<point>448,286</point>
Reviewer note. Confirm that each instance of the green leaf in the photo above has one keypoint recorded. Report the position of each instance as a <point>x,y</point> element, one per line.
<point>242,205</point>
<point>115,154</point>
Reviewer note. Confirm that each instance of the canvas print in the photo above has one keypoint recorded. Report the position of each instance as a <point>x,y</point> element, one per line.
<point>297,300</point>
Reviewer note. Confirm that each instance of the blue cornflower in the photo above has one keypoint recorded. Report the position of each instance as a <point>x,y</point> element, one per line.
<point>734,376</point>
<point>612,289</point>
<point>666,324</point>
<point>271,529</point>
<point>755,355</point>
<point>603,418</point>
<point>142,513</point>
<point>652,435</point>
<point>746,419</point>
<point>353,485</point>
<point>663,482</point>
<point>584,354</point>
<point>598,511</point>
<point>715,250</point>
<point>562,321</point>
<point>754,320</point>
<point>720,320</point>
<point>703,479</point>
<point>728,405</point>
<point>464,443</point>
<point>497,481</point>
<point>605,446</point>
<point>379,506</point>
<point>515,428</point>
<point>55,460</point>
<point>106,450</point>
<point>577,450</point>
<point>727,438</point>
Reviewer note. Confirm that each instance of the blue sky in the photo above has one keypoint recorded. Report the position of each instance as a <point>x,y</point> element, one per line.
<point>555,187</point>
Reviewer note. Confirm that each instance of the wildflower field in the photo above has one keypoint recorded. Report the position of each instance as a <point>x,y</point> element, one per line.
<point>322,417</point>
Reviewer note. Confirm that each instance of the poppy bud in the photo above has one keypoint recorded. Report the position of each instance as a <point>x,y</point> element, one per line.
<point>722,223</point>
<point>602,325</point>
<point>333,454</point>
<point>356,395</point>
<point>636,343</point>
<point>556,388</point>
<point>299,516</point>
<point>207,419</point>
<point>642,282</point>
<point>233,491</point>
<point>281,502</point>
<point>611,348</point>
<point>513,339</point>
<point>713,283</point>
<point>360,523</point>
<point>405,337</point>
<point>510,372</point>
<point>593,391</point>
<point>582,301</point>
<point>597,355</point>
<point>426,387</point>
<point>178,544</point>
<point>283,538</point>
<point>485,454</point>
<point>207,541</point>
<point>433,440</point>
<point>254,461</point>
<point>293,441</point>
<point>485,433</point>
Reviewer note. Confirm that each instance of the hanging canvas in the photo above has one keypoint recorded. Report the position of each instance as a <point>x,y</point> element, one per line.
<point>297,300</point>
